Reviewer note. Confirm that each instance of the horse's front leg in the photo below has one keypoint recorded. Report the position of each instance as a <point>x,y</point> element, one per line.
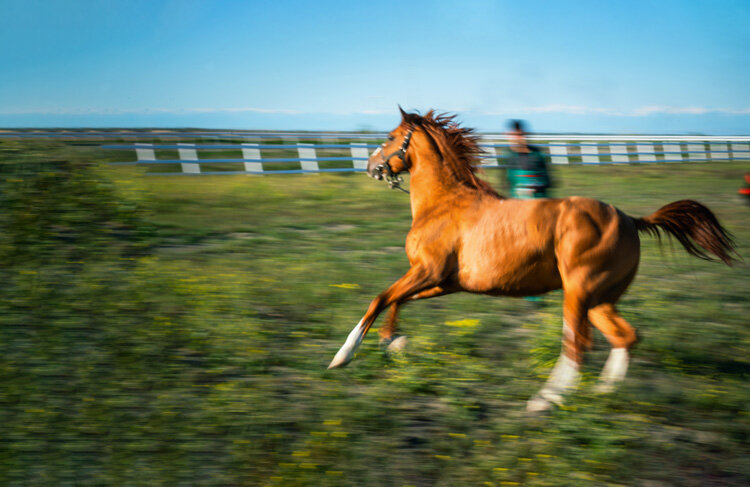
<point>416,280</point>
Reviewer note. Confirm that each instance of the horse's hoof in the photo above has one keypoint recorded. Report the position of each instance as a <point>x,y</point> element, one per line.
<point>538,404</point>
<point>397,344</point>
<point>342,358</point>
<point>347,350</point>
<point>393,344</point>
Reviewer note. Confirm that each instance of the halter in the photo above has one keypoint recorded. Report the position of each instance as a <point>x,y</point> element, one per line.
<point>384,170</point>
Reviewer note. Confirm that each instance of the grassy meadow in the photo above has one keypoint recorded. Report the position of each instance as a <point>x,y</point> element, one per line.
<point>175,331</point>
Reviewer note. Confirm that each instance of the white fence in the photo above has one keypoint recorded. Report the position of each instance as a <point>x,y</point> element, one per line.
<point>301,153</point>
<point>241,152</point>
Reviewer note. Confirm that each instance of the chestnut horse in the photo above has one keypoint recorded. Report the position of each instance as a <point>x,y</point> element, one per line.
<point>466,237</point>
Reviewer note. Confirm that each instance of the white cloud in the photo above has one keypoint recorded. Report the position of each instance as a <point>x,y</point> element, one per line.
<point>283,111</point>
<point>636,112</point>
<point>644,111</point>
<point>652,110</point>
<point>146,111</point>
<point>186,111</point>
<point>572,109</point>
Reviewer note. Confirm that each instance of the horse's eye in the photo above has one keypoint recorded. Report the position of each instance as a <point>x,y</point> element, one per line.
<point>390,137</point>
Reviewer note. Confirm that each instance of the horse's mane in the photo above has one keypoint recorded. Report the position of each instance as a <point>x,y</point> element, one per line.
<point>458,145</point>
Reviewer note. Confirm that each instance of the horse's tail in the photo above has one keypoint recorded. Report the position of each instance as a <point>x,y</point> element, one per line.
<point>691,223</point>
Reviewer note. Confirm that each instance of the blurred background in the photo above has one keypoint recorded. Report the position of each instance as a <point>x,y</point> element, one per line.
<point>584,66</point>
<point>175,330</point>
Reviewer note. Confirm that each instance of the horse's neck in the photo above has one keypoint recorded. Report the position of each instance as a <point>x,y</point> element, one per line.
<point>430,185</point>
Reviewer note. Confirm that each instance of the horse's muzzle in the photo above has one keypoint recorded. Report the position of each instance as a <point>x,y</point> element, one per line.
<point>377,172</point>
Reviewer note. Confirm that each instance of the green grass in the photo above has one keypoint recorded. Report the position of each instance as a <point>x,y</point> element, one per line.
<point>176,331</point>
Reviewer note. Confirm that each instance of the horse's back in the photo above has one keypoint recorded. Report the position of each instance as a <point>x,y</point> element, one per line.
<point>520,247</point>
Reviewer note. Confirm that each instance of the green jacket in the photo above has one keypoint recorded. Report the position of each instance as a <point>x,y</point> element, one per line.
<point>527,172</point>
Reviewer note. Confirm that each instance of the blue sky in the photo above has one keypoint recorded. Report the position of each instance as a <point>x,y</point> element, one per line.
<point>566,66</point>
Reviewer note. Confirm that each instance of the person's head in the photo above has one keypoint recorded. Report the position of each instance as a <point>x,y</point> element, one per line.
<point>516,126</point>
<point>516,133</point>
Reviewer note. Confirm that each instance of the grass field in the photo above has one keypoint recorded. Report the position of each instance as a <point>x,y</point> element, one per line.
<point>175,331</point>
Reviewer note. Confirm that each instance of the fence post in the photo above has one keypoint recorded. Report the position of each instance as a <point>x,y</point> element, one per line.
<point>672,152</point>
<point>740,151</point>
<point>589,153</point>
<point>309,160</point>
<point>696,152</point>
<point>489,155</point>
<point>188,153</point>
<point>252,151</point>
<point>718,152</point>
<point>645,152</point>
<point>619,152</point>
<point>145,152</point>
<point>559,153</point>
<point>360,154</point>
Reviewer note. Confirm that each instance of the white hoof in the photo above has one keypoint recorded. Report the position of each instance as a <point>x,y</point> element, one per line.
<point>563,378</point>
<point>614,371</point>
<point>397,344</point>
<point>346,352</point>
<point>538,404</point>
<point>341,358</point>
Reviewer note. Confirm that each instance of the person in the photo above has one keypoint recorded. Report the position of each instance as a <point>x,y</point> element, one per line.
<point>526,169</point>
<point>526,172</point>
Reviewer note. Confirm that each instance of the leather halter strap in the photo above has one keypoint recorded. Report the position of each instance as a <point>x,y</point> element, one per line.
<point>391,177</point>
<point>401,152</point>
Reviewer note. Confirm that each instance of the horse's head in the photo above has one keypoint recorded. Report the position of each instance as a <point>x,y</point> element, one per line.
<point>392,157</point>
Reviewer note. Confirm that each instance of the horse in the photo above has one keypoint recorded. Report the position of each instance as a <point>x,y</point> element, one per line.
<point>467,237</point>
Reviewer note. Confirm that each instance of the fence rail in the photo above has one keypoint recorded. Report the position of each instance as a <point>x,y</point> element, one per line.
<point>196,152</point>
<point>296,157</point>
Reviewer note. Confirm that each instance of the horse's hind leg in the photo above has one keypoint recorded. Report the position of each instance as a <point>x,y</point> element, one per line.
<point>621,336</point>
<point>566,373</point>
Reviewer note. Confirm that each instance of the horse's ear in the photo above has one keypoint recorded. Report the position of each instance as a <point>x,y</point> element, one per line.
<point>403,113</point>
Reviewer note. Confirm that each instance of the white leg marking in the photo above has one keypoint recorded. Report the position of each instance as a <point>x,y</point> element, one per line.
<point>346,352</point>
<point>614,370</point>
<point>568,332</point>
<point>564,376</point>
